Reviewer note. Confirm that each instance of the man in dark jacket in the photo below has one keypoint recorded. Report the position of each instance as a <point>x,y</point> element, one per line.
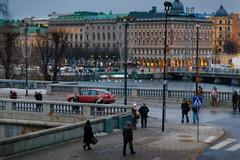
<point>235,100</point>
<point>185,109</point>
<point>239,101</point>
<point>128,138</point>
<point>38,97</point>
<point>144,114</point>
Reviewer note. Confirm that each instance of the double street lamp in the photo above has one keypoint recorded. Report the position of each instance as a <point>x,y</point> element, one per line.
<point>167,6</point>
<point>126,21</point>
<point>26,48</point>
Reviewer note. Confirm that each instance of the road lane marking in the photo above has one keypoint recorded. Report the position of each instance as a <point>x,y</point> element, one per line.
<point>234,148</point>
<point>223,143</point>
<point>210,139</point>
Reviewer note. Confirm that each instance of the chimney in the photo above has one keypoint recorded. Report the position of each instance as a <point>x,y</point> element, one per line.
<point>192,10</point>
<point>154,9</point>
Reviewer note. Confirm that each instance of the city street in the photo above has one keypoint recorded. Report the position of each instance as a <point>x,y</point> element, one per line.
<point>229,146</point>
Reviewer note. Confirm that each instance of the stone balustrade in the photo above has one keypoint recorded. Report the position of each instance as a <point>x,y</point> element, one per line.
<point>51,111</point>
<point>60,134</point>
<point>137,92</point>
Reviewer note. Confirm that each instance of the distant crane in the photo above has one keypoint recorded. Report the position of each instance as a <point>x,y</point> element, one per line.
<point>4,11</point>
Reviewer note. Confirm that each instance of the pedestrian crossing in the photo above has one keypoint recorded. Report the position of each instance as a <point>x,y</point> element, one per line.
<point>230,145</point>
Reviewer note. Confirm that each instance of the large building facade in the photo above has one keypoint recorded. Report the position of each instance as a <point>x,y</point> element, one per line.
<point>146,40</point>
<point>145,36</point>
<point>222,29</point>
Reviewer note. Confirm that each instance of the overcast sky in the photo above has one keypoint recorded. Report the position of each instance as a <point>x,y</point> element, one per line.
<point>41,8</point>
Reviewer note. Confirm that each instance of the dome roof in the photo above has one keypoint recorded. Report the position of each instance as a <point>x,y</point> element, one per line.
<point>221,12</point>
<point>177,7</point>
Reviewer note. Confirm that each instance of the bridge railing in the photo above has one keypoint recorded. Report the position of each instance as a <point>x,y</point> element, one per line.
<point>52,111</point>
<point>20,84</point>
<point>60,134</point>
<point>139,92</point>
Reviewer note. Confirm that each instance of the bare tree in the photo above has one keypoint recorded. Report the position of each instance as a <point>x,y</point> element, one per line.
<point>8,36</point>
<point>52,45</point>
<point>45,51</point>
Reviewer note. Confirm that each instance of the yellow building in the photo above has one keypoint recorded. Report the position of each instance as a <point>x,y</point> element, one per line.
<point>222,31</point>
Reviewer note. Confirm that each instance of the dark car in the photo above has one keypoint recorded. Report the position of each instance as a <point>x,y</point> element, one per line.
<point>94,96</point>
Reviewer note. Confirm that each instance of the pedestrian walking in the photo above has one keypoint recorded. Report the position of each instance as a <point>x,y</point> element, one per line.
<point>128,138</point>
<point>195,111</point>
<point>135,116</point>
<point>76,100</point>
<point>185,109</point>
<point>200,91</point>
<point>235,101</point>
<point>214,96</point>
<point>239,101</point>
<point>143,110</point>
<point>38,97</point>
<point>88,137</point>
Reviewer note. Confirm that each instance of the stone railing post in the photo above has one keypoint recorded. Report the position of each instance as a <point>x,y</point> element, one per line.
<point>46,108</point>
<point>9,106</point>
<point>87,111</point>
<point>134,92</point>
<point>75,89</point>
<point>48,89</point>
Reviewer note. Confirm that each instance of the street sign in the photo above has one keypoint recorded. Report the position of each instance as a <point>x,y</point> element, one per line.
<point>197,101</point>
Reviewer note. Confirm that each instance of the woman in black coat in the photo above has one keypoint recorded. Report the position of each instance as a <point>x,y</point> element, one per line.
<point>88,135</point>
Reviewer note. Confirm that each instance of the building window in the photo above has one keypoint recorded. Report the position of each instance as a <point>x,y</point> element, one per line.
<point>103,36</point>
<point>114,36</point>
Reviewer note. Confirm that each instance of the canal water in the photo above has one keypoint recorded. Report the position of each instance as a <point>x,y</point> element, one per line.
<point>181,85</point>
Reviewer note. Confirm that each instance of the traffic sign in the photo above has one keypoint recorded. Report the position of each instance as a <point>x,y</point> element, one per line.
<point>197,101</point>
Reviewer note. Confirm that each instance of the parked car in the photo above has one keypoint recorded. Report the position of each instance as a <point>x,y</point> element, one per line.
<point>94,96</point>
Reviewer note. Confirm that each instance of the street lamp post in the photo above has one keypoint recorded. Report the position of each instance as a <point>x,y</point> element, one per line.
<point>125,61</point>
<point>26,51</point>
<point>167,6</point>
<point>126,21</point>
<point>197,65</point>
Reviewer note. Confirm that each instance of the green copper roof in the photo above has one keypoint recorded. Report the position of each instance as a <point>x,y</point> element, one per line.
<point>84,16</point>
<point>12,22</point>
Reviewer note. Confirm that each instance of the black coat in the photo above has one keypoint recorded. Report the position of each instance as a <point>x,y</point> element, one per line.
<point>38,96</point>
<point>143,111</point>
<point>127,134</point>
<point>235,97</point>
<point>185,107</point>
<point>88,134</point>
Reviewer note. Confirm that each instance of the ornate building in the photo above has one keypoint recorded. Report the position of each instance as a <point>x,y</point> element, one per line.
<point>222,29</point>
<point>90,29</point>
<point>146,38</point>
<point>145,35</point>
<point>236,28</point>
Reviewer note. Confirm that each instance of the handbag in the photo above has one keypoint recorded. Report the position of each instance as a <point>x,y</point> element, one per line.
<point>94,140</point>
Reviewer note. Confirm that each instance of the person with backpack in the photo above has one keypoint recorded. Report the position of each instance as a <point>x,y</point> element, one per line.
<point>143,110</point>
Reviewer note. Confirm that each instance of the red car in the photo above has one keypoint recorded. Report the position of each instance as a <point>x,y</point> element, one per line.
<point>94,96</point>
